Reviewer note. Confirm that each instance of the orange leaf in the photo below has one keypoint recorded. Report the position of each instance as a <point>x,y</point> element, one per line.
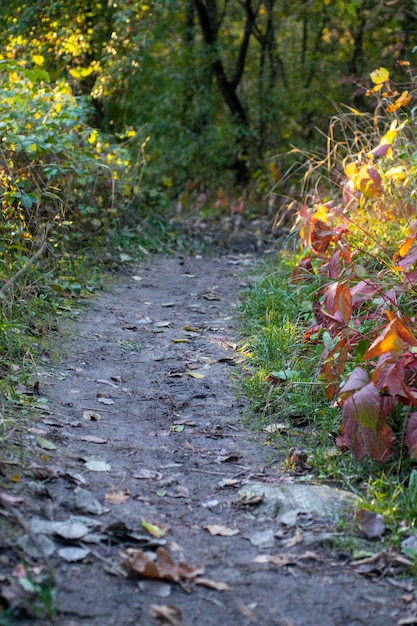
<point>395,338</point>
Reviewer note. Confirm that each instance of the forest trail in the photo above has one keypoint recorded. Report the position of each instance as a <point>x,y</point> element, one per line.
<point>150,454</point>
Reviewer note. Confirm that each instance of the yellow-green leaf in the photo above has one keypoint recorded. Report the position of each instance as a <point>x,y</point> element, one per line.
<point>379,75</point>
<point>195,374</point>
<point>45,443</point>
<point>152,529</point>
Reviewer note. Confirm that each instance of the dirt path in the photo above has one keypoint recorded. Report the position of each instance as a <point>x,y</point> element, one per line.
<point>150,363</point>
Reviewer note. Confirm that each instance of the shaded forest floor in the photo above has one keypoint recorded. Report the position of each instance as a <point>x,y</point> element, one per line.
<point>140,454</point>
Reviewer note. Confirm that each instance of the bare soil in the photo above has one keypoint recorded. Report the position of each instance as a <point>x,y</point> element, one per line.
<point>151,454</point>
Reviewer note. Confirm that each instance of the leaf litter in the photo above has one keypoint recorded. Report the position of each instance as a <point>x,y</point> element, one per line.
<point>157,525</point>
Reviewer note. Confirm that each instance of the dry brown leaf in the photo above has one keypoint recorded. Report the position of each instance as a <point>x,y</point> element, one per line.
<point>168,614</point>
<point>164,567</point>
<point>212,584</point>
<point>224,531</point>
<point>228,482</point>
<point>117,496</point>
<point>298,538</point>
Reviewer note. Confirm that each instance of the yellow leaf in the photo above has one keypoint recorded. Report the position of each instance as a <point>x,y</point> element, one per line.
<point>322,213</point>
<point>389,137</point>
<point>379,75</point>
<point>181,341</point>
<point>397,174</point>
<point>15,478</point>
<point>351,169</point>
<point>356,112</point>
<point>38,59</point>
<point>152,529</point>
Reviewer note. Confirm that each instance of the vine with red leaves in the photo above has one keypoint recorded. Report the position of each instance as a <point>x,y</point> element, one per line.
<point>364,306</point>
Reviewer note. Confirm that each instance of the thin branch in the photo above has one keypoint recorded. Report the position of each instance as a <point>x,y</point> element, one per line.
<point>24,269</point>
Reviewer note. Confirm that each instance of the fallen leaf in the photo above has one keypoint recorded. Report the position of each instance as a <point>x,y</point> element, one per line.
<point>162,324</point>
<point>371,524</point>
<point>249,499</point>
<point>86,502</point>
<point>177,428</point>
<point>224,531</point>
<point>209,295</point>
<point>97,465</point>
<point>117,496</point>
<point>181,340</point>
<point>283,558</point>
<point>155,588</point>
<point>73,554</point>
<point>212,584</point>
<point>228,482</point>
<point>146,474</point>
<point>169,615</point>
<point>153,529</point>
<point>8,498</point>
<point>227,458</point>
<point>298,538</point>
<point>93,439</point>
<point>91,416</point>
<point>192,329</point>
<point>163,567</point>
<point>167,304</point>
<point>275,428</point>
<point>103,400</point>
<point>40,472</point>
<point>45,443</point>
<point>194,374</point>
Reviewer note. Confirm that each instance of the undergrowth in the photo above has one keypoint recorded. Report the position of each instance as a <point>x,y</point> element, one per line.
<point>74,207</point>
<point>332,326</point>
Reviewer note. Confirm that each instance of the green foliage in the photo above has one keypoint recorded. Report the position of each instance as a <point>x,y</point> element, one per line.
<point>212,103</point>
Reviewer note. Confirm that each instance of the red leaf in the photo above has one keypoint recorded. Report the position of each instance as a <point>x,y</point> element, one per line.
<point>363,291</point>
<point>339,299</point>
<point>364,441</point>
<point>411,435</point>
<point>358,379</point>
<point>363,406</point>
<point>388,375</point>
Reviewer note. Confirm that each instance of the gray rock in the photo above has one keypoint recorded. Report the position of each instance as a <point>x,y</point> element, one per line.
<point>320,502</point>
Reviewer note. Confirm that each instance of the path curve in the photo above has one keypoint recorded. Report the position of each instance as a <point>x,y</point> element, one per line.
<point>150,361</point>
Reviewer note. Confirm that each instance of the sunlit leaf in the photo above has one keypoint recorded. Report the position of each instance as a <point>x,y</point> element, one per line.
<point>153,529</point>
<point>380,75</point>
<point>395,338</point>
